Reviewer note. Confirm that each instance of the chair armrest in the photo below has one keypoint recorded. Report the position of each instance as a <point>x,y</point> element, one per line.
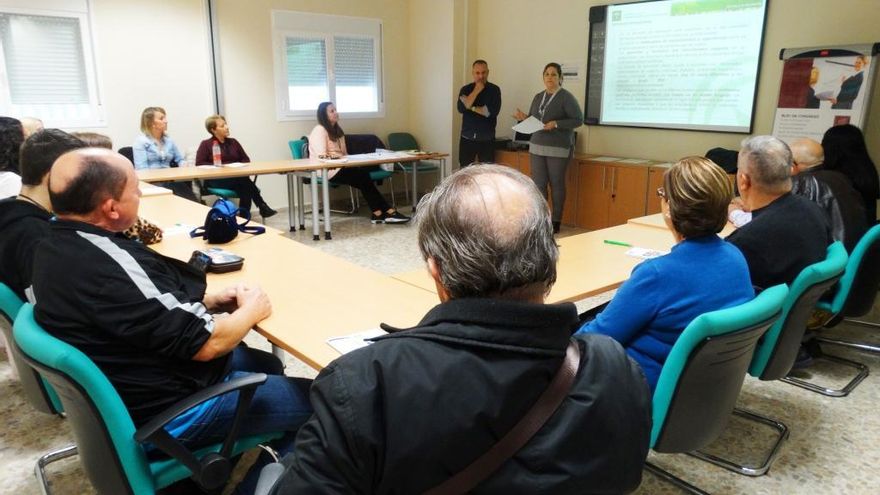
<point>250,381</point>
<point>213,469</point>
<point>269,476</point>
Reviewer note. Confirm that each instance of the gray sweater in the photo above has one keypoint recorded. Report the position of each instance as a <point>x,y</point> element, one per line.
<point>564,109</point>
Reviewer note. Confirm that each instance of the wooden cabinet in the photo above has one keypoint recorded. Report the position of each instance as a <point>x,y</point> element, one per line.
<point>610,194</point>
<point>601,194</point>
<point>516,159</point>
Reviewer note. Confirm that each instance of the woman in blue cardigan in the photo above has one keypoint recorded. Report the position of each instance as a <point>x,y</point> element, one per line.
<point>702,273</point>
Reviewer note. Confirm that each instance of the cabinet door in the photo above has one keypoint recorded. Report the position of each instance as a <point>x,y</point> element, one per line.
<point>593,195</point>
<point>655,180</point>
<point>525,164</point>
<point>629,186</point>
<point>505,157</point>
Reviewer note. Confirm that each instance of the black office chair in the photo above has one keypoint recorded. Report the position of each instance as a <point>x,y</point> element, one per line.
<point>127,152</point>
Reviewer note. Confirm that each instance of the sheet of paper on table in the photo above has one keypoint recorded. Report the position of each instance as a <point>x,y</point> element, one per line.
<point>348,343</point>
<point>644,253</point>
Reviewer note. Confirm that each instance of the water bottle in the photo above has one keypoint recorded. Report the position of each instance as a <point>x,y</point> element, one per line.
<point>215,151</point>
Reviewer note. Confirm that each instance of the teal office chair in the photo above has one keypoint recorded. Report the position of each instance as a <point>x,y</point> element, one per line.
<point>778,350</point>
<point>110,449</point>
<point>402,141</point>
<point>854,297</point>
<point>37,391</point>
<point>703,374</point>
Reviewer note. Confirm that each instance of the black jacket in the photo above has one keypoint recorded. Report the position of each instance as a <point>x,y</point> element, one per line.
<point>22,226</point>
<point>473,125</point>
<point>407,412</point>
<point>138,315</point>
<point>834,193</point>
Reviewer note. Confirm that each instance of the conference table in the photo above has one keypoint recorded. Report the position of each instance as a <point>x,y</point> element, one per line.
<point>588,265</point>
<point>315,296</point>
<point>293,169</point>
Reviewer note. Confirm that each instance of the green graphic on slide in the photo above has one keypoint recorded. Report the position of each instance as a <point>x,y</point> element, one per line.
<point>688,7</point>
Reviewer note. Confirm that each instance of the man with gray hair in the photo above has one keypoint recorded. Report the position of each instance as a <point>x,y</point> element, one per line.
<point>787,232</point>
<point>418,406</point>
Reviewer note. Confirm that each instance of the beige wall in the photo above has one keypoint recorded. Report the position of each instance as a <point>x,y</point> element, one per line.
<point>249,91</point>
<point>152,53</point>
<point>518,37</point>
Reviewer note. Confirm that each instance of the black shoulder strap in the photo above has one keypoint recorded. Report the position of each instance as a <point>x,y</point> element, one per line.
<point>468,478</point>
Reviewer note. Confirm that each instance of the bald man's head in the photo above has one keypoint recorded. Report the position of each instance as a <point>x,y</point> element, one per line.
<point>806,154</point>
<point>82,180</point>
<point>488,230</point>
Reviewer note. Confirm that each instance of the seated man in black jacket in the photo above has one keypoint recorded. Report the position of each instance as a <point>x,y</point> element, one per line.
<point>830,189</point>
<point>419,405</point>
<point>787,232</point>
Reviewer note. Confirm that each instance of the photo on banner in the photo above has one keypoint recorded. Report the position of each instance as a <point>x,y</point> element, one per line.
<point>822,88</point>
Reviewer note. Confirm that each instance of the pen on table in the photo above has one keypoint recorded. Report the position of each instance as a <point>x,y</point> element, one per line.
<point>618,243</point>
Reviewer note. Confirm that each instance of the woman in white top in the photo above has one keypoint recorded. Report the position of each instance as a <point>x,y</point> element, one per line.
<point>153,148</point>
<point>11,137</point>
<point>328,139</point>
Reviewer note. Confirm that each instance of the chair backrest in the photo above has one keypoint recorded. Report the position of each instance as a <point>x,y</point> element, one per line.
<point>101,424</point>
<point>703,374</point>
<point>299,148</point>
<point>127,152</point>
<point>777,352</point>
<point>858,287</point>
<point>399,141</point>
<point>37,392</point>
<point>356,144</point>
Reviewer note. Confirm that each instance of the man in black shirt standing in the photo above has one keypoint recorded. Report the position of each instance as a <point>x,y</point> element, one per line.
<point>787,232</point>
<point>479,103</point>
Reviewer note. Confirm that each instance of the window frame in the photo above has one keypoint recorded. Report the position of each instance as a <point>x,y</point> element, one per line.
<point>286,24</point>
<point>82,11</point>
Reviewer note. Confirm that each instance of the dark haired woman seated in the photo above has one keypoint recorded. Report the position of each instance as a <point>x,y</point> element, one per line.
<point>702,273</point>
<point>328,139</point>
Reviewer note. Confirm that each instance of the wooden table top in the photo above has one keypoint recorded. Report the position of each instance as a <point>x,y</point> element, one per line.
<point>315,296</point>
<point>205,172</point>
<point>587,265</point>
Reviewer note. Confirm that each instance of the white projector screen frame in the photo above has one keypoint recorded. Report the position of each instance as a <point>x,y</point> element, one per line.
<point>675,64</point>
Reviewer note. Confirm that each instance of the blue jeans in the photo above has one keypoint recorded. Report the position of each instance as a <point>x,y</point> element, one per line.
<point>279,404</point>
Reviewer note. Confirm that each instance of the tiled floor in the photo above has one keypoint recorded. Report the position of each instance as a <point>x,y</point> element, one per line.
<point>834,445</point>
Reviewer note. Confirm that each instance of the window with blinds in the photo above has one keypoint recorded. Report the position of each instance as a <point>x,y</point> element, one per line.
<point>47,69</point>
<point>316,62</point>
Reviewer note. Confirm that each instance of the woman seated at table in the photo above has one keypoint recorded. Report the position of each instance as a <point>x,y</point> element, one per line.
<point>328,140</point>
<point>154,149</point>
<point>230,152</point>
<point>702,273</point>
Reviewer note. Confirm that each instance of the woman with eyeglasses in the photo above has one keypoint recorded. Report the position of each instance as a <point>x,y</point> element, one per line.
<point>550,148</point>
<point>702,273</point>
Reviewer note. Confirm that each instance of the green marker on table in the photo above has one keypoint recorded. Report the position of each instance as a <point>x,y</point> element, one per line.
<point>618,243</point>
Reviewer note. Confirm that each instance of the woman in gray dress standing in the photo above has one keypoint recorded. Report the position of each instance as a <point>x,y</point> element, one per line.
<point>550,148</point>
